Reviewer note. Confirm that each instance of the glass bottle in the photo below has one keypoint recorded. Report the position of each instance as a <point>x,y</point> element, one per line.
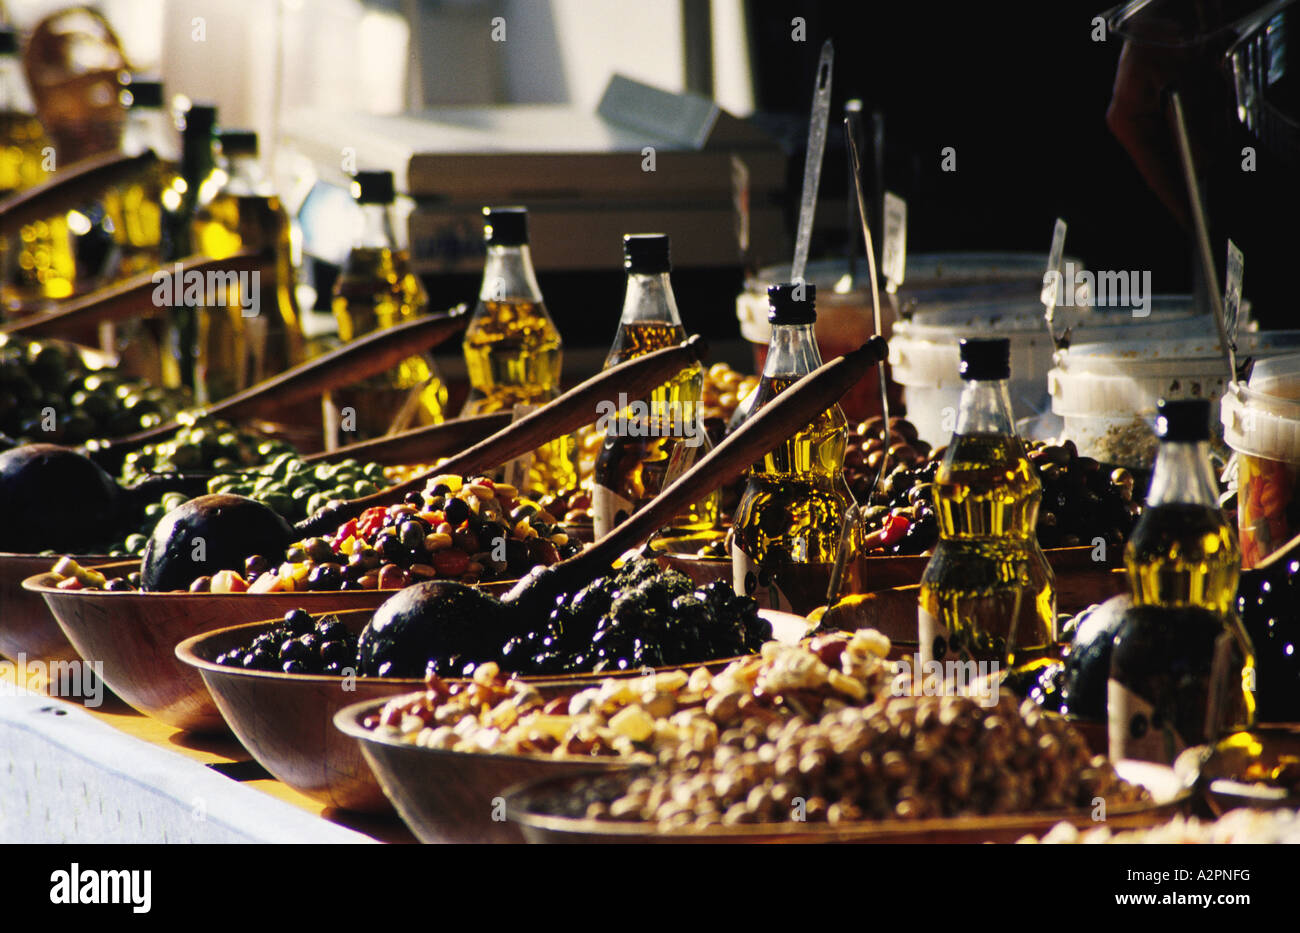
<point>787,526</point>
<point>1182,666</point>
<point>647,446</point>
<point>376,289</point>
<point>513,350</point>
<point>180,200</point>
<point>257,334</point>
<point>136,208</point>
<point>41,262</point>
<point>987,593</point>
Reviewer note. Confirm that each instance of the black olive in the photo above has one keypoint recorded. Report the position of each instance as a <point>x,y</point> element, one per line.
<point>298,621</point>
<point>456,512</point>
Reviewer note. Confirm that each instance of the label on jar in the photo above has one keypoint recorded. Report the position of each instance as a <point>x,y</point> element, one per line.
<point>608,510</point>
<point>932,636</point>
<point>1137,729</point>
<point>748,579</point>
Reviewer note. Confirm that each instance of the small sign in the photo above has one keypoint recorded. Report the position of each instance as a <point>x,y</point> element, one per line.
<point>894,255</point>
<point>1232,293</point>
<point>1052,279</point>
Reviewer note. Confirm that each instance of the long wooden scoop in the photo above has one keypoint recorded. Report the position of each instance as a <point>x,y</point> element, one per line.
<point>419,445</point>
<point>580,406</point>
<point>130,297</point>
<point>774,422</point>
<point>374,353</point>
<point>70,188</point>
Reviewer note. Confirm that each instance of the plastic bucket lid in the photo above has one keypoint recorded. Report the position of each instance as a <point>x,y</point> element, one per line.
<point>1111,379</point>
<point>923,350</point>
<point>1262,418</point>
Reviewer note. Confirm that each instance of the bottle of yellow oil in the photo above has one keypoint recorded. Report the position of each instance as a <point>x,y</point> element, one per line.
<point>648,444</point>
<point>788,524</point>
<point>513,350</point>
<point>376,289</point>
<point>40,262</point>
<point>1181,666</point>
<point>256,333</point>
<point>987,594</point>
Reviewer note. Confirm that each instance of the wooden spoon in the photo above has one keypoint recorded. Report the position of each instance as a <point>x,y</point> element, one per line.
<point>366,356</point>
<point>419,445</point>
<point>71,188</point>
<point>578,407</point>
<point>129,297</point>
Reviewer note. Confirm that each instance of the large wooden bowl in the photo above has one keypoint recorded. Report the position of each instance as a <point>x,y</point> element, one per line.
<point>134,636</point>
<point>445,796</point>
<point>1169,794</point>
<point>26,626</point>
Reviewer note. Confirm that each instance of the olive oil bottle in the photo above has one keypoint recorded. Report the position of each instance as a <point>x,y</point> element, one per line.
<point>1182,667</point>
<point>513,350</point>
<point>40,262</point>
<point>788,524</point>
<point>987,593</point>
<point>649,444</point>
<point>376,289</point>
<point>256,335</point>
<point>136,208</point>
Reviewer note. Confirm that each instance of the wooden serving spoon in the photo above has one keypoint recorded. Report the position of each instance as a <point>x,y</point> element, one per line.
<point>446,612</point>
<point>129,297</point>
<point>71,188</point>
<point>419,445</point>
<point>374,353</point>
<point>578,407</point>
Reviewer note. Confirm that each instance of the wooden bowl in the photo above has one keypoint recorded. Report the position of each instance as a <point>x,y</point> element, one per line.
<point>26,625</point>
<point>1239,770</point>
<point>134,635</point>
<point>445,796</point>
<point>1169,793</point>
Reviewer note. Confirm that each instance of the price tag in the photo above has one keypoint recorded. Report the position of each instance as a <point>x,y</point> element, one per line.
<point>1052,278</point>
<point>894,255</point>
<point>516,471</point>
<point>1232,293</point>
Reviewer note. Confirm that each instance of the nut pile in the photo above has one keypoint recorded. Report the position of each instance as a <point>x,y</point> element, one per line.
<point>903,758</point>
<point>641,716</point>
<point>1244,826</point>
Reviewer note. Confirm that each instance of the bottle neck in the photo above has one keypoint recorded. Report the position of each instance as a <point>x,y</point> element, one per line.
<point>245,177</point>
<point>1183,474</point>
<point>649,299</point>
<point>149,128</point>
<point>792,351</point>
<point>376,228</point>
<point>14,97</point>
<point>508,274</point>
<point>197,161</point>
<point>985,408</point>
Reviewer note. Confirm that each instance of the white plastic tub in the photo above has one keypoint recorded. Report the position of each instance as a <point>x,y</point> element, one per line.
<point>1106,393</point>
<point>1261,423</point>
<point>923,352</point>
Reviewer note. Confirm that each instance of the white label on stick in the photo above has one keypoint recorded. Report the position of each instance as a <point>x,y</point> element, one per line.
<point>1232,292</point>
<point>894,255</point>
<point>1052,278</point>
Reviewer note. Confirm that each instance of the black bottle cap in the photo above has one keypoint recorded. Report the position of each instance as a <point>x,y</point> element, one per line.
<point>646,253</point>
<point>373,188</point>
<point>505,226</point>
<point>8,41</point>
<point>792,303</point>
<point>200,118</point>
<point>143,93</point>
<point>985,359</point>
<point>1186,419</point>
<point>237,142</point>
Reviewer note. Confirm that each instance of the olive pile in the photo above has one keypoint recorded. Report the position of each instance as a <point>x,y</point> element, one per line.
<point>297,489</point>
<point>298,645</point>
<point>48,395</point>
<point>205,445</point>
<point>1266,601</point>
<point>1081,501</point>
<point>639,616</point>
